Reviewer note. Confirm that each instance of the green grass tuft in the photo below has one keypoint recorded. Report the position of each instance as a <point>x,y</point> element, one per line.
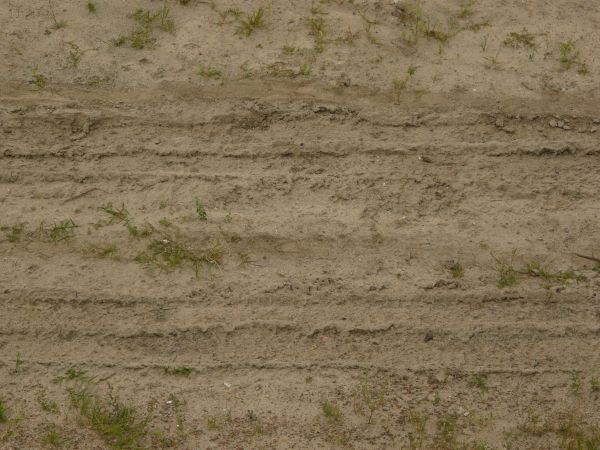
<point>179,370</point>
<point>201,211</point>
<point>252,22</point>
<point>3,412</point>
<point>331,411</point>
<point>116,423</point>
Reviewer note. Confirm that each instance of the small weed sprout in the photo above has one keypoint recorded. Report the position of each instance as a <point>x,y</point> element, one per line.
<point>331,412</point>
<point>62,231</point>
<point>456,269</point>
<point>166,253</point>
<point>569,57</point>
<point>523,39</point>
<point>179,370</point>
<point>39,81</point>
<point>479,381</point>
<point>466,9</point>
<point>117,423</point>
<point>370,398</point>
<point>209,72</point>
<point>76,374</point>
<point>576,383</point>
<point>141,36</point>
<point>595,384</point>
<point>53,436</point>
<point>507,273</point>
<point>3,412</point>
<point>91,7</point>
<point>105,251</point>
<point>201,211</point>
<point>74,56</point>
<point>45,403</point>
<point>212,423</point>
<point>318,32</point>
<point>117,214</point>
<point>399,85</point>
<point>57,24</point>
<point>252,22</point>
<point>568,54</point>
<point>13,233</point>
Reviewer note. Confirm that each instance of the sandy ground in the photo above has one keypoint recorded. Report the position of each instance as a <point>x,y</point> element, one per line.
<point>343,225</point>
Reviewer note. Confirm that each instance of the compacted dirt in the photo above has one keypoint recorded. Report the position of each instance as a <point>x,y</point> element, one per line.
<point>340,224</point>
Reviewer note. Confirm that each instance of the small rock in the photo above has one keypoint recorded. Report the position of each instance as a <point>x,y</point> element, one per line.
<point>428,336</point>
<point>560,123</point>
<point>593,129</point>
<point>509,130</point>
<point>553,123</point>
<point>566,127</point>
<point>425,159</point>
<point>500,122</point>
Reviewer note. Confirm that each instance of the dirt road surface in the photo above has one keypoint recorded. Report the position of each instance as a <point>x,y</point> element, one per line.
<point>294,224</point>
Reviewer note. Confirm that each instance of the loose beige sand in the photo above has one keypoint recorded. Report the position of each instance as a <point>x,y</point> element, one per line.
<point>394,193</point>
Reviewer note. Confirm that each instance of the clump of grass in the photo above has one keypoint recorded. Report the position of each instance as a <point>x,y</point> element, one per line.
<point>167,253</point>
<point>116,214</point>
<point>594,384</point>
<point>201,211</point>
<point>57,24</point>
<point>348,37</point>
<point>3,412</point>
<point>252,22</point>
<point>569,57</point>
<point>212,423</point>
<point>145,231</point>
<point>446,436</point>
<point>121,215</point>
<point>507,273</point>
<point>318,32</point>
<point>141,36</point>
<point>535,269</point>
<point>179,370</point>
<point>576,434</point>
<point>399,85</point>
<point>370,398</point>
<point>39,81</point>
<point>165,222</point>
<point>331,411</point>
<point>104,251</point>
<point>165,22</point>
<point>568,54</point>
<point>456,269</point>
<point>18,365</point>
<point>466,9</point>
<point>418,435</point>
<point>14,232</point>
<point>434,33</point>
<point>45,403</point>
<point>76,374</point>
<point>479,381</point>
<point>61,231</point>
<point>91,7</point>
<point>576,383</point>
<point>53,436</point>
<point>75,54</point>
<point>116,423</point>
<point>209,72</point>
<point>523,39</point>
